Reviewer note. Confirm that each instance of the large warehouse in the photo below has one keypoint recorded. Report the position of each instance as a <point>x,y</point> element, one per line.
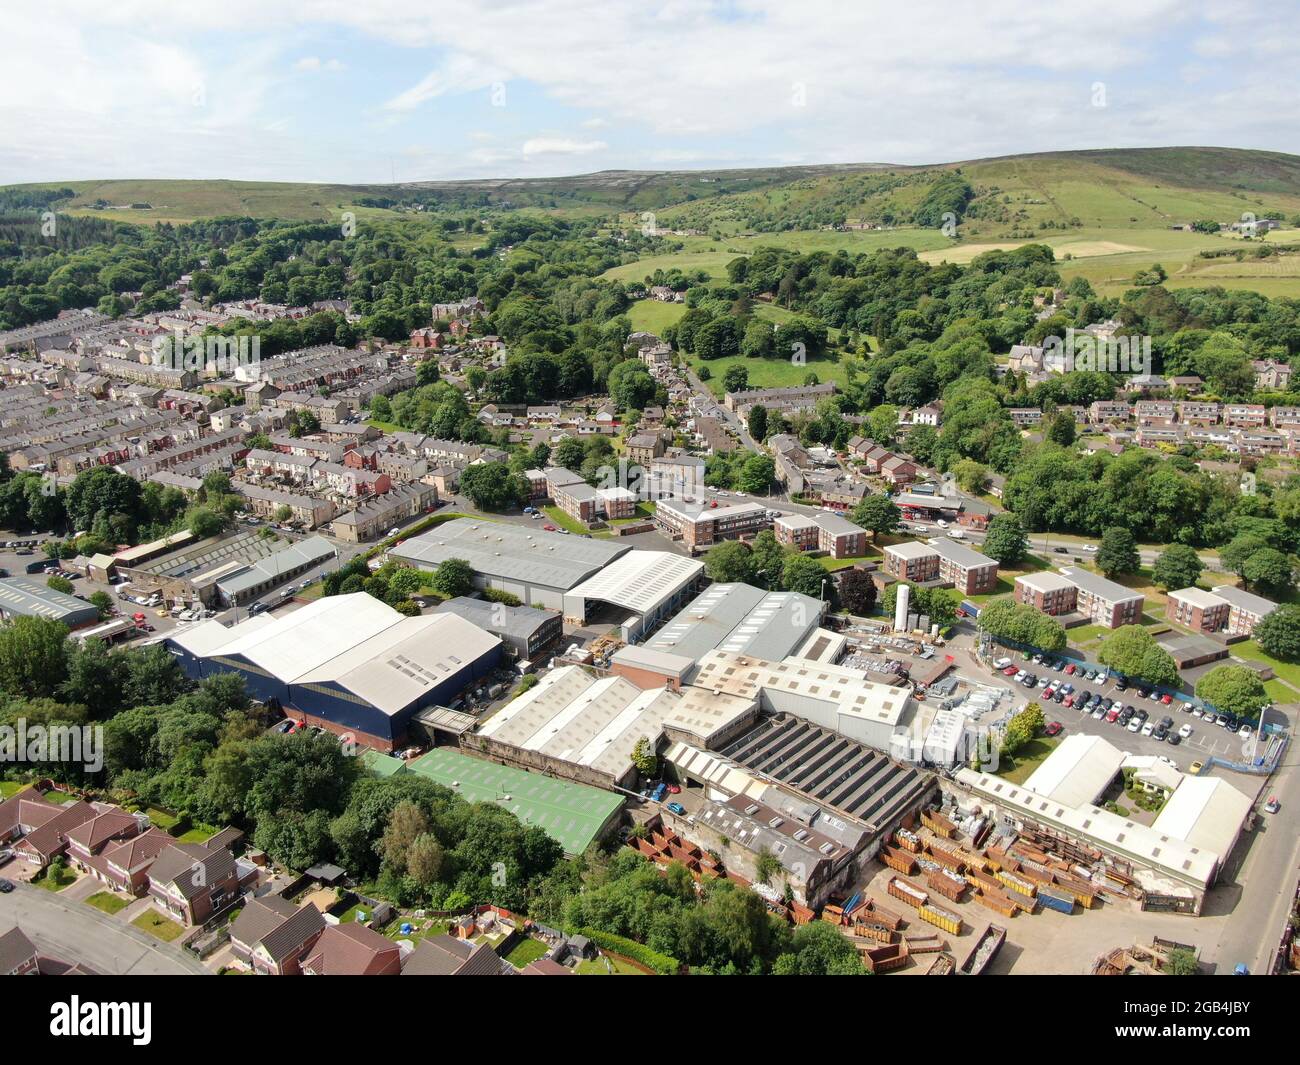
<point>27,597</point>
<point>348,663</point>
<point>537,566</point>
<point>636,591</point>
<point>742,619</point>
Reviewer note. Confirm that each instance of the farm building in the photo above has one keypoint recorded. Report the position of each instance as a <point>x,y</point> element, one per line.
<point>348,663</point>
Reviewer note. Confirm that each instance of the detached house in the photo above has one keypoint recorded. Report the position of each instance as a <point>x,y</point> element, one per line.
<point>274,936</point>
<point>353,950</point>
<point>193,881</point>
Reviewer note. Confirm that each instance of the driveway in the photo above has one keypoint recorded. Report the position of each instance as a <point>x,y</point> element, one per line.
<point>75,932</point>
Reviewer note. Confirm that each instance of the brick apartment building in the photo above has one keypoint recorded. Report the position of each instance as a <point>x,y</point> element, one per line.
<point>1226,609</point>
<point>700,524</point>
<point>943,560</point>
<point>837,536</point>
<point>1071,590</point>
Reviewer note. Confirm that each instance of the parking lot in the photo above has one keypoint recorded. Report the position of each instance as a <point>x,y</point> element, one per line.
<point>1204,739</point>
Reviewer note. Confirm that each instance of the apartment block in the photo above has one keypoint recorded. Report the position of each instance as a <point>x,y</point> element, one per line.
<point>700,524</point>
<point>1071,590</point>
<point>1226,609</point>
<point>821,532</point>
<point>942,559</point>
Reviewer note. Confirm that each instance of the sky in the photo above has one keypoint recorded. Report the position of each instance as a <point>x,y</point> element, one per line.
<point>371,91</point>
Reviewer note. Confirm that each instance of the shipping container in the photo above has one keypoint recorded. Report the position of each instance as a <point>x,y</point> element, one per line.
<point>940,918</point>
<point>943,965</point>
<point>898,860</point>
<point>950,887</point>
<point>1056,900</point>
<point>907,892</point>
<point>985,950</point>
<point>909,841</point>
<point>1017,884</point>
<point>881,959</point>
<point>938,824</point>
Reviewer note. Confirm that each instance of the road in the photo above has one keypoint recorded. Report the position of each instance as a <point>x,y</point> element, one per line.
<point>740,428</point>
<point>75,932</point>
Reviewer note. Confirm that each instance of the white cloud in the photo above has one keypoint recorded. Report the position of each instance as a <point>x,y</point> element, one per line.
<point>313,63</point>
<point>560,146</point>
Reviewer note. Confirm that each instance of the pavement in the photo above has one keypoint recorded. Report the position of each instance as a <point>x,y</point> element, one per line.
<point>74,932</point>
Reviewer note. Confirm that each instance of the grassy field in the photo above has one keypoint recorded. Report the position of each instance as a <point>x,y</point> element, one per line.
<point>654,316</point>
<point>158,926</point>
<point>560,519</point>
<point>768,373</point>
<point>108,902</point>
<point>11,787</point>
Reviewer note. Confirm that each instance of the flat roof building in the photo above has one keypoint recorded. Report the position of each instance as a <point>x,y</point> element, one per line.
<point>1100,601</point>
<point>742,619</point>
<point>537,566</point>
<point>526,631</point>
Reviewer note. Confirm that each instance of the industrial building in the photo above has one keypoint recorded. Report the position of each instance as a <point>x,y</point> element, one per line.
<point>526,631</point>
<point>348,663</point>
<point>636,591</point>
<point>537,566</point>
<point>742,619</point>
<point>1173,861</point>
<point>585,728</point>
<point>229,569</point>
<point>27,597</point>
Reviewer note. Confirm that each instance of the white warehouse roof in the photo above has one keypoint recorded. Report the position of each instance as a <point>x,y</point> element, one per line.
<point>640,581</point>
<point>1078,770</point>
<point>1205,811</point>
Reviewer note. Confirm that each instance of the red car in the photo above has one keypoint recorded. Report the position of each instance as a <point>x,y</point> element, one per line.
<point>549,528</point>
<point>1166,699</point>
<point>1053,728</point>
<point>1068,700</point>
<point>674,789</point>
<point>1010,671</point>
<point>1070,670</point>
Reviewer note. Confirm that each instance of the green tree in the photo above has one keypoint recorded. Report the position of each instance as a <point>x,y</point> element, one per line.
<point>756,474</point>
<point>878,514</point>
<point>972,476</point>
<point>1132,651</point>
<point>736,379</point>
<point>1118,552</point>
<point>1235,689</point>
<point>1178,566</point>
<point>59,584</point>
<point>730,562</point>
<point>103,602</point>
<point>492,486</point>
<point>818,949</point>
<point>1060,430</point>
<point>1270,570</point>
<point>645,759</point>
<point>1278,633</point>
<point>33,657</point>
<point>757,422</point>
<point>453,577</point>
<point>804,575</point>
<point>1006,540</point>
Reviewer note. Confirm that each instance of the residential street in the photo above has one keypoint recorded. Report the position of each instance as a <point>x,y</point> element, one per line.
<point>75,932</point>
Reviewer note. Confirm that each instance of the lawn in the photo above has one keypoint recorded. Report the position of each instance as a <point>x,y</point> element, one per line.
<point>1018,768</point>
<point>162,819</point>
<point>10,787</point>
<point>198,834</point>
<point>597,967</point>
<point>563,521</point>
<point>1286,671</point>
<point>527,950</point>
<point>1007,577</point>
<point>158,926</point>
<point>421,928</point>
<point>654,316</point>
<point>108,902</point>
<point>831,565</point>
<point>769,373</point>
<point>56,878</point>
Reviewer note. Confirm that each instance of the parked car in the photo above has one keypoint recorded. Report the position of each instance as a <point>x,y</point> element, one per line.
<point>1148,728</point>
<point>284,728</point>
<point>1071,669</point>
<point>6,886</point>
<point>1160,732</point>
<point>674,789</point>
<point>1001,663</point>
<point>1098,713</point>
<point>1166,698</point>
<point>548,527</point>
<point>1060,696</point>
<point>1112,715</point>
<point>677,808</point>
<point>1053,728</point>
<point>1011,671</point>
<point>1196,767</point>
<point>1208,718</point>
<point>1020,675</point>
<point>1134,724</point>
<point>1121,684</point>
<point>1245,731</point>
<point>1272,806</point>
<point>1185,731</point>
<point>1173,739</point>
